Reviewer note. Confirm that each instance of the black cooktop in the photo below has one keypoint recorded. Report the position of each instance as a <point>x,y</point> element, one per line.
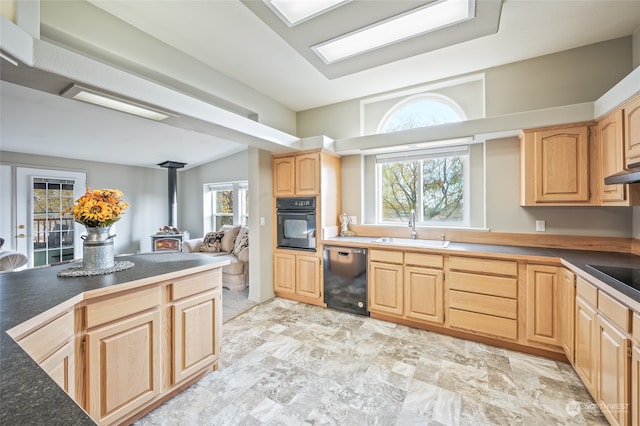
<point>628,276</point>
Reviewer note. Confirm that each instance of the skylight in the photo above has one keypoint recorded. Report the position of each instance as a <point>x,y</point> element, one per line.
<point>411,24</point>
<point>293,12</point>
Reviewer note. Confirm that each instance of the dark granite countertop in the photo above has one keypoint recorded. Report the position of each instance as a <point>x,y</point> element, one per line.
<point>27,394</point>
<point>579,259</point>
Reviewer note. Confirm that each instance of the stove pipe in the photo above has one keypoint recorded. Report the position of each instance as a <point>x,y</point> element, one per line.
<point>172,167</point>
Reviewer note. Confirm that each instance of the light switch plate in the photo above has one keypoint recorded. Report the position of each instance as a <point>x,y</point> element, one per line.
<point>541,226</point>
<point>262,220</point>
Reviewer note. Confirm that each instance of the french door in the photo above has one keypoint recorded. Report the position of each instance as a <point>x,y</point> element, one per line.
<point>43,232</point>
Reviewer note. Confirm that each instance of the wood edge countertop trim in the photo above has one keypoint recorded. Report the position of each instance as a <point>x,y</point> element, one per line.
<point>574,242</point>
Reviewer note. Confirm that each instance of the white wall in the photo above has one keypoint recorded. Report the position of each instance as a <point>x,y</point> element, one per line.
<point>190,185</point>
<point>144,189</point>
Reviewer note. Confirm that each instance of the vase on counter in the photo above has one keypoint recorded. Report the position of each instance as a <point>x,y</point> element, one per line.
<point>97,248</point>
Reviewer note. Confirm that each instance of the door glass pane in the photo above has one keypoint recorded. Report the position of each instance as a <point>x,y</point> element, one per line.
<point>52,233</point>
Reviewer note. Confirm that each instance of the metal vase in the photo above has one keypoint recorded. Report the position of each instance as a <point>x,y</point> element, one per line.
<point>97,249</point>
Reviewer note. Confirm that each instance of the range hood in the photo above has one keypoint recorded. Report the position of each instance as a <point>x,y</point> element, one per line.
<point>631,175</point>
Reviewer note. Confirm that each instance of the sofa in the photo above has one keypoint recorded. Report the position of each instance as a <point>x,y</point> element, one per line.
<point>232,243</point>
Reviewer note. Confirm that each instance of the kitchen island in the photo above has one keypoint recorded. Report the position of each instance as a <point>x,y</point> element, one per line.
<point>29,396</point>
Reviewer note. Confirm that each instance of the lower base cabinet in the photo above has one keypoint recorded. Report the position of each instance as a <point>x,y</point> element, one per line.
<point>635,385</point>
<point>612,372</point>
<point>123,366</point>
<point>196,341</point>
<point>61,367</point>
<point>585,362</point>
<point>298,275</point>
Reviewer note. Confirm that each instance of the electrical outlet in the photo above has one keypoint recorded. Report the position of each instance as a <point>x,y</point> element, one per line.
<point>541,226</point>
<point>353,220</point>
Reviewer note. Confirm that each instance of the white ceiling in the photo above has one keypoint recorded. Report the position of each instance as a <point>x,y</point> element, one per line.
<point>230,38</point>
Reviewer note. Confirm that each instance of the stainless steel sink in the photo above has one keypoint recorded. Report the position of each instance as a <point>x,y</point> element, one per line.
<point>412,242</point>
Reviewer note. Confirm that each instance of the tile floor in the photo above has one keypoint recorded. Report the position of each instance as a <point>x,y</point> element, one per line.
<point>288,363</point>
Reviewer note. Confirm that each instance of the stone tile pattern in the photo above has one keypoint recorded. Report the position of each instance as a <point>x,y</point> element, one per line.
<point>288,363</point>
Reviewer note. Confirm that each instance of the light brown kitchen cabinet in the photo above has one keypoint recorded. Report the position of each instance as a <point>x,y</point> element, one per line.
<point>612,372</point>
<point>298,276</point>
<point>284,272</point>
<point>284,176</point>
<point>308,276</point>
<point>555,166</point>
<point>386,287</point>
<point>611,149</point>
<point>196,341</point>
<point>124,366</point>
<point>307,175</point>
<point>296,175</point>
<point>423,291</point>
<point>635,384</point>
<point>632,130</point>
<point>52,347</point>
<point>542,318</point>
<point>635,371</point>
<point>611,160</point>
<point>567,313</point>
<point>585,351</point>
<point>483,296</point>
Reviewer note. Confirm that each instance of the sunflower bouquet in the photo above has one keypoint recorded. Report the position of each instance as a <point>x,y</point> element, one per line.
<point>99,208</point>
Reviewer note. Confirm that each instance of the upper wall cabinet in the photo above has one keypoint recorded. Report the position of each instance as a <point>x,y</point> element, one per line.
<point>611,160</point>
<point>555,166</point>
<point>632,134</point>
<point>296,175</point>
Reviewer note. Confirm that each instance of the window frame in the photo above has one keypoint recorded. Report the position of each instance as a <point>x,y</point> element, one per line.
<point>240,206</point>
<point>422,155</point>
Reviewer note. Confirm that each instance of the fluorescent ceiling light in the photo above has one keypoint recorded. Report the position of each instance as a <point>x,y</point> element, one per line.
<point>293,12</point>
<point>411,24</point>
<point>113,102</point>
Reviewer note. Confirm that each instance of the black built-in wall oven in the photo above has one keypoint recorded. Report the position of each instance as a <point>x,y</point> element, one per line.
<point>296,223</point>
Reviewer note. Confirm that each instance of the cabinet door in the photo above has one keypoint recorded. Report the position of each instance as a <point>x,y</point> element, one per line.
<point>567,313</point>
<point>612,372</point>
<point>284,176</point>
<point>542,304</point>
<point>632,134</point>
<point>635,385</point>
<point>196,343</point>
<point>386,288</point>
<point>308,276</point>
<point>123,366</point>
<point>611,148</point>
<point>423,294</point>
<point>562,165</point>
<point>61,367</point>
<point>585,356</point>
<point>284,272</point>
<point>307,174</point>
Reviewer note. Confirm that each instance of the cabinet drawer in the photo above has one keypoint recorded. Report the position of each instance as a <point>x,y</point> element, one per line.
<point>587,291</point>
<point>482,323</point>
<point>118,307</point>
<point>386,256</point>
<point>195,284</point>
<point>483,266</point>
<point>484,284</point>
<point>49,338</point>
<point>423,259</point>
<point>615,311</point>
<point>636,327</point>
<point>481,303</point>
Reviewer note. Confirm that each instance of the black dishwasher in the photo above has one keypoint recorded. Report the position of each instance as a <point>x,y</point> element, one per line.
<point>345,279</point>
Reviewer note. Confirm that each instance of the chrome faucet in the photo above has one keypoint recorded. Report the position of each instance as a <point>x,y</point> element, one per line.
<point>412,224</point>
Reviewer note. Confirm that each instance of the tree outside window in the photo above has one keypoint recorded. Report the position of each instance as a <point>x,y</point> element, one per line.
<point>226,204</point>
<point>431,182</point>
